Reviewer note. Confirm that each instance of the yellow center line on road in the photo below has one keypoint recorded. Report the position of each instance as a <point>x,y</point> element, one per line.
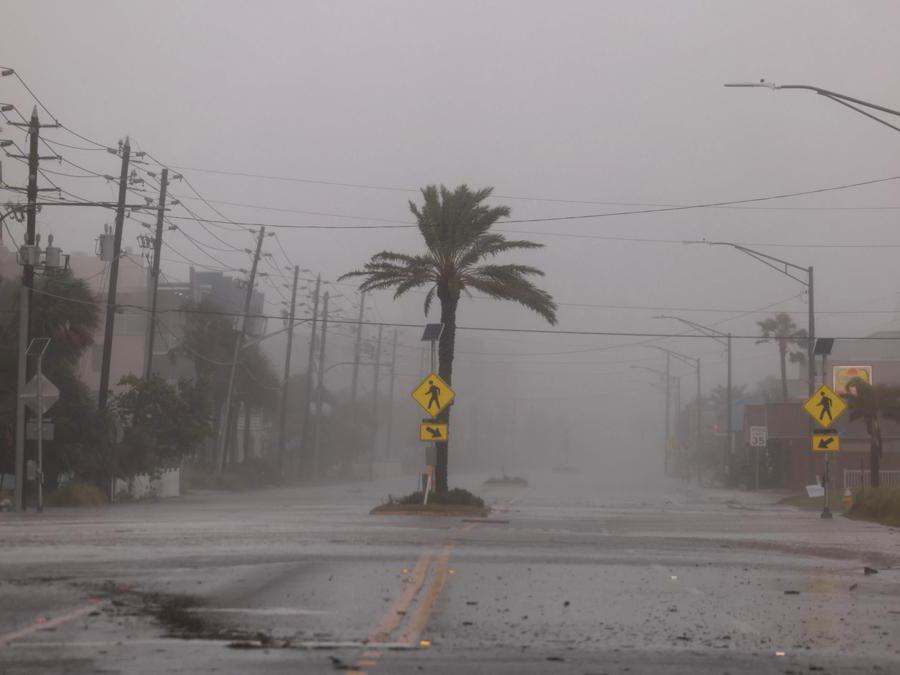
<point>394,615</point>
<point>419,621</point>
<point>39,625</point>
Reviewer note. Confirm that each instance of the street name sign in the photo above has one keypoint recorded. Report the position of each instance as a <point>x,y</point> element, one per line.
<point>758,437</point>
<point>825,406</point>
<point>826,440</point>
<point>49,393</point>
<point>433,394</point>
<point>431,432</point>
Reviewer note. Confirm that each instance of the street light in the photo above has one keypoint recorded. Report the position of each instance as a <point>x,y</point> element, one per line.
<point>791,270</point>
<point>724,339</point>
<point>668,379</point>
<point>694,362</point>
<point>843,99</point>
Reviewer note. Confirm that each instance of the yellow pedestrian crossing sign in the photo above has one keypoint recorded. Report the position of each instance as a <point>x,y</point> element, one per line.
<point>825,406</point>
<point>826,440</point>
<point>432,432</point>
<point>433,394</point>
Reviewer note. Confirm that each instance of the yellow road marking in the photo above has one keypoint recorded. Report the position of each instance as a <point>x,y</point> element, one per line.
<point>397,610</point>
<point>419,620</point>
<point>423,612</point>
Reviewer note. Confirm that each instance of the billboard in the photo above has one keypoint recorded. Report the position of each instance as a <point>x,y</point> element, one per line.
<point>843,374</point>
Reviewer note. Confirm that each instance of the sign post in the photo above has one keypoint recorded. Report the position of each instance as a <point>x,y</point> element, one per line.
<point>433,395</point>
<point>759,438</point>
<point>825,406</point>
<point>37,347</point>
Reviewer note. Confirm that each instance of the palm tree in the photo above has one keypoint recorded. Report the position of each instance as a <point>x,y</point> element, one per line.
<point>791,341</point>
<point>869,403</point>
<point>456,228</point>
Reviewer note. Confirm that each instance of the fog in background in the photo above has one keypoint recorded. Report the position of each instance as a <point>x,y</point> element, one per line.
<point>565,108</point>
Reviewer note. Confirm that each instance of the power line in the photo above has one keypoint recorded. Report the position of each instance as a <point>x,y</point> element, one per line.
<point>492,329</point>
<point>663,206</point>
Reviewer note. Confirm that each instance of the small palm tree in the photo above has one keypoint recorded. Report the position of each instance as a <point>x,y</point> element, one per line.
<point>456,228</point>
<point>791,341</point>
<point>870,403</point>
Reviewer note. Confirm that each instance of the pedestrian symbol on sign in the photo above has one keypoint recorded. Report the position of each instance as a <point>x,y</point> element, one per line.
<point>433,394</point>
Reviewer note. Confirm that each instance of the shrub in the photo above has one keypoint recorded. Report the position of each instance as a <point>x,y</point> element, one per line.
<point>250,474</point>
<point>881,505</point>
<point>77,494</point>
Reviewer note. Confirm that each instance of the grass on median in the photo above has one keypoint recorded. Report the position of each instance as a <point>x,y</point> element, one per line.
<point>455,502</point>
<point>877,505</point>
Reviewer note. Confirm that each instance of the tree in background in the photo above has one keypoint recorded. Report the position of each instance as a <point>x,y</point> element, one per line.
<point>161,423</point>
<point>871,403</point>
<point>790,340</point>
<point>456,228</point>
<point>209,341</point>
<point>64,310</point>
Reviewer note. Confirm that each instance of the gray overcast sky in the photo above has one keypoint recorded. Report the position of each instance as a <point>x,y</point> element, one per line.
<point>604,101</point>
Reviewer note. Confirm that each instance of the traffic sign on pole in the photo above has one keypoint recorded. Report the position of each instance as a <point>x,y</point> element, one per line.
<point>49,393</point>
<point>758,437</point>
<point>433,394</point>
<point>432,432</point>
<point>826,440</point>
<point>825,406</point>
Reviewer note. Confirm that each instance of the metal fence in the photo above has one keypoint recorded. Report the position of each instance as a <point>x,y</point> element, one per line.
<point>857,478</point>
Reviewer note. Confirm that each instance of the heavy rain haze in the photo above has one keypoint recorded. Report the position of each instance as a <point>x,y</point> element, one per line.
<point>606,130</point>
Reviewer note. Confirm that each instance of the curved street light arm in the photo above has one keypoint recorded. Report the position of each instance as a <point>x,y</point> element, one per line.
<point>718,335</point>
<point>835,96</point>
<point>777,264</point>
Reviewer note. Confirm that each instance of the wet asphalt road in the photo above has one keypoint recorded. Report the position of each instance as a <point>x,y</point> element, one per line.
<point>571,577</point>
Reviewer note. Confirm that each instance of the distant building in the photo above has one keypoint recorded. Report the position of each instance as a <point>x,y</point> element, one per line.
<point>788,461</point>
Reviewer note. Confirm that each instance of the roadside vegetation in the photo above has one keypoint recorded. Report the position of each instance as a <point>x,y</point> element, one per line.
<point>878,505</point>
<point>454,502</point>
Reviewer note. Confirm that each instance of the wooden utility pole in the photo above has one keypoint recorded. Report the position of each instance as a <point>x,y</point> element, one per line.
<point>238,343</point>
<point>154,273</point>
<point>306,456</point>
<point>373,443</point>
<point>113,281</point>
<point>390,419</point>
<point>287,373</point>
<point>320,389</point>
<point>354,384</point>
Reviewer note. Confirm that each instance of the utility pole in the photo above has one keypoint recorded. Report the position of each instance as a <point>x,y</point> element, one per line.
<point>320,389</point>
<point>356,348</point>
<point>34,129</point>
<point>111,306</point>
<point>372,445</point>
<point>305,455</point>
<point>668,414</point>
<point>113,281</point>
<point>238,343</point>
<point>699,426</point>
<point>25,295</point>
<point>287,371</point>
<point>390,419</point>
<point>154,272</point>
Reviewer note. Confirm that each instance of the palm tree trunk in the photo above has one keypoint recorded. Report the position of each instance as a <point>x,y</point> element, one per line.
<point>446,347</point>
<point>782,353</point>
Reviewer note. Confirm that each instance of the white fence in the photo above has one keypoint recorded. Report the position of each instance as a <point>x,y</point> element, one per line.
<point>857,478</point>
<point>143,487</point>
